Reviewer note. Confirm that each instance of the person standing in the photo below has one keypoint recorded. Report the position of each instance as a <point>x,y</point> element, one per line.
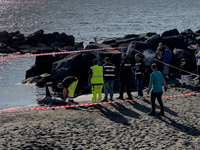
<point>139,74</point>
<point>159,56</point>
<point>96,81</point>
<point>124,77</point>
<point>155,86</point>
<point>109,77</point>
<point>167,55</point>
<point>69,86</point>
<point>183,74</point>
<point>198,63</point>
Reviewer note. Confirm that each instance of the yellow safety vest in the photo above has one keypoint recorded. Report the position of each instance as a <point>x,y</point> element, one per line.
<point>97,74</point>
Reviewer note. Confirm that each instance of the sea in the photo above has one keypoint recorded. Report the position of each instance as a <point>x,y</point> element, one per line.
<point>84,19</point>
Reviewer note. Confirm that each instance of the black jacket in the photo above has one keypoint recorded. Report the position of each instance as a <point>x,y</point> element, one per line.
<point>125,70</point>
<point>140,68</point>
<point>183,67</point>
<point>68,81</point>
<point>109,71</point>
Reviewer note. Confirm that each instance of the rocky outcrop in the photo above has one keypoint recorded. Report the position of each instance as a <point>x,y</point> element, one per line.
<point>6,49</point>
<point>58,67</point>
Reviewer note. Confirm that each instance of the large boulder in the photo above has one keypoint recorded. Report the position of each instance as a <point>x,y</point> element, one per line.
<point>67,39</point>
<point>57,44</point>
<point>114,55</point>
<point>49,38</point>
<point>109,41</point>
<point>146,49</point>
<point>173,32</point>
<point>6,49</point>
<point>72,65</point>
<point>40,80</point>
<point>4,37</point>
<point>129,36</point>
<point>15,41</point>
<point>24,47</point>
<point>35,36</point>
<point>187,31</point>
<point>145,36</point>
<point>12,34</point>
<point>174,42</point>
<point>124,41</point>
<point>155,39</point>
<point>179,54</point>
<point>97,46</point>
<point>191,49</point>
<point>43,64</point>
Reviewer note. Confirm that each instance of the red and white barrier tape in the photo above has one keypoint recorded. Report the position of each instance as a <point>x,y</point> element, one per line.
<point>56,53</point>
<point>90,104</point>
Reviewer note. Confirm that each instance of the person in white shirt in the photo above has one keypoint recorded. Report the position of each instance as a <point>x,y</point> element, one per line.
<point>198,62</point>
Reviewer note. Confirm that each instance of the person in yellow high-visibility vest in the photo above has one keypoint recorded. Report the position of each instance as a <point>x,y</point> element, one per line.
<point>96,81</point>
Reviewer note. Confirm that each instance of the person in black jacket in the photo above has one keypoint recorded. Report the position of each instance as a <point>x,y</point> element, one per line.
<point>139,74</point>
<point>124,77</point>
<point>183,74</point>
<point>109,77</point>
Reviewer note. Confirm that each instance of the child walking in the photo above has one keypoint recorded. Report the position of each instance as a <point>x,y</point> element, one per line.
<point>183,74</point>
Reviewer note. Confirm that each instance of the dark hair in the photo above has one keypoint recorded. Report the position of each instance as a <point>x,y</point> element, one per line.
<point>107,59</point>
<point>154,66</point>
<point>183,59</point>
<point>138,54</point>
<point>197,45</point>
<point>95,61</point>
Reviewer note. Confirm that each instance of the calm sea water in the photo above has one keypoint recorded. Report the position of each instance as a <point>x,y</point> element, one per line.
<point>85,19</point>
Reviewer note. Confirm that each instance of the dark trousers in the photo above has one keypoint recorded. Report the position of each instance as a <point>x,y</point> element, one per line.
<point>125,84</point>
<point>198,72</point>
<point>157,95</point>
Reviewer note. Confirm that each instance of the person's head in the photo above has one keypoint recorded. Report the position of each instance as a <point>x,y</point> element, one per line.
<point>107,59</point>
<point>160,45</point>
<point>137,57</point>
<point>166,48</point>
<point>95,62</point>
<point>198,47</point>
<point>124,56</point>
<point>183,61</point>
<point>60,86</point>
<point>154,67</point>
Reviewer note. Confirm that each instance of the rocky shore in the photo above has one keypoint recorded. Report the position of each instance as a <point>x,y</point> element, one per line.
<point>55,68</point>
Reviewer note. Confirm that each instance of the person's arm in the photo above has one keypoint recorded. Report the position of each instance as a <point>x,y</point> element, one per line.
<point>143,68</point>
<point>65,92</point>
<point>90,76</point>
<point>165,85</point>
<point>150,85</point>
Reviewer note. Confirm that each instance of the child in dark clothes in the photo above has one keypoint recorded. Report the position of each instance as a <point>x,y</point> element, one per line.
<point>183,74</point>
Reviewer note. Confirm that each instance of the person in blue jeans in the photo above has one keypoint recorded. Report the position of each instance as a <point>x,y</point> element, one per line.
<point>167,55</point>
<point>109,77</point>
<point>155,86</point>
<point>139,74</point>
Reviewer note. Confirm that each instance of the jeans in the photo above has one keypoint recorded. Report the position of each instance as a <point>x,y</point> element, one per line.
<point>139,83</point>
<point>108,87</point>
<point>165,69</point>
<point>157,95</point>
